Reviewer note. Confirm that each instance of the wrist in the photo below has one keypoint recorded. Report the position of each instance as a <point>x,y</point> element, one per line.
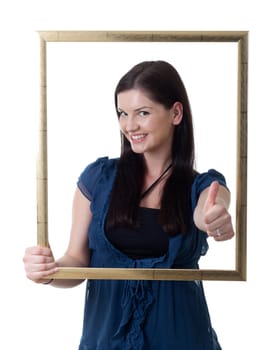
<point>49,281</point>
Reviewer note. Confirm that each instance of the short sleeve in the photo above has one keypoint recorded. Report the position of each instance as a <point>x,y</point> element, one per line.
<point>203,181</point>
<point>89,177</point>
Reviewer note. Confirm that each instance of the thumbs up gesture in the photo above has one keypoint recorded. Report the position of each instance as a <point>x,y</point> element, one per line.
<point>211,214</point>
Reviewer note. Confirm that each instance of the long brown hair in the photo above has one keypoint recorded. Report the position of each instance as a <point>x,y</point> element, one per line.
<point>162,83</point>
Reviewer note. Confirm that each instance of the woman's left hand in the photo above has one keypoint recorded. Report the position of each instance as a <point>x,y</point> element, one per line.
<point>211,214</point>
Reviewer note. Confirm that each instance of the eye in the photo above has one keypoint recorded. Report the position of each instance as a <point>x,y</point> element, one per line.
<point>143,113</point>
<point>121,114</point>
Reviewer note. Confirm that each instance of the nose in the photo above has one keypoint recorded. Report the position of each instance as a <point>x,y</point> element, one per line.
<point>131,124</point>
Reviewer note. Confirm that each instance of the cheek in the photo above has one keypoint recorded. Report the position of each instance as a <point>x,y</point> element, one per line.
<point>122,128</point>
<point>121,124</point>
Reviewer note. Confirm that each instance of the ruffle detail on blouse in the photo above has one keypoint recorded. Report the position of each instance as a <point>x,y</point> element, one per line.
<point>136,301</point>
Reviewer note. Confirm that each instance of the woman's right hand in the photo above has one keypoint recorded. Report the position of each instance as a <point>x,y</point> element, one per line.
<point>39,263</point>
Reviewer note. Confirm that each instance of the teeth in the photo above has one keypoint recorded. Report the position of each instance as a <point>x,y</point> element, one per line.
<point>137,137</point>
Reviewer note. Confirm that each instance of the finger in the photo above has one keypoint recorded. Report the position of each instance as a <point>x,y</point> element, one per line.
<point>218,217</point>
<point>224,236</point>
<point>40,275</point>
<point>41,267</point>
<point>30,259</point>
<point>36,272</point>
<point>36,253</point>
<point>212,194</point>
<point>40,260</point>
<point>223,231</point>
<point>38,250</point>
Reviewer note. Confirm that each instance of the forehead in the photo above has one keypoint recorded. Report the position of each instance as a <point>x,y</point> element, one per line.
<point>133,99</point>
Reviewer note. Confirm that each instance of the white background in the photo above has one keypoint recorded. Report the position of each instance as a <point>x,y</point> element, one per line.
<point>82,123</point>
<point>40,317</point>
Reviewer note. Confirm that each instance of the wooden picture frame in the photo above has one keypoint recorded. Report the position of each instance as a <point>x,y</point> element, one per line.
<point>239,37</point>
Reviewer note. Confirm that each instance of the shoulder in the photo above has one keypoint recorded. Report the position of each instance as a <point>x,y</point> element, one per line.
<point>101,168</point>
<point>100,164</point>
<point>203,180</point>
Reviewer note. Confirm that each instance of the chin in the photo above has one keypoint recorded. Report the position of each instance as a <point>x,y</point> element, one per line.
<point>137,151</point>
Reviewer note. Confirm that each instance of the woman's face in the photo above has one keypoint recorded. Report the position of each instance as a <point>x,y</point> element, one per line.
<point>148,125</point>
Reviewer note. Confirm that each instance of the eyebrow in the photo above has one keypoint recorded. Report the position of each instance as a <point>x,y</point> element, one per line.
<point>137,109</point>
<point>143,107</point>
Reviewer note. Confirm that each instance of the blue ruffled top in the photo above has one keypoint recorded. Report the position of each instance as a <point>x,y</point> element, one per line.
<point>143,315</point>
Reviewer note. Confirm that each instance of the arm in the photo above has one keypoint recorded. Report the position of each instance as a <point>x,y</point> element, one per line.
<point>211,213</point>
<point>40,262</point>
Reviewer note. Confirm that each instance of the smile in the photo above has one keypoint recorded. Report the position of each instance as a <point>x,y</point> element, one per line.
<point>138,138</point>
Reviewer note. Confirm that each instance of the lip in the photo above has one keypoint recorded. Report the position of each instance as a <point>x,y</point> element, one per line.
<point>137,138</point>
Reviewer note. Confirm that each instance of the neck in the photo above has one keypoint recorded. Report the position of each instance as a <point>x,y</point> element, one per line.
<point>151,187</point>
<point>156,166</point>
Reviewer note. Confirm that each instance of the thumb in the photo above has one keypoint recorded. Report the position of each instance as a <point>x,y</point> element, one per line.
<point>212,194</point>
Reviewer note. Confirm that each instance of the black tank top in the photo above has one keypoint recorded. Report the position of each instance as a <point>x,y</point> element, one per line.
<point>147,240</point>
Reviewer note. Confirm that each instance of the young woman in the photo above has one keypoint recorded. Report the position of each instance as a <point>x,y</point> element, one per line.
<point>147,209</point>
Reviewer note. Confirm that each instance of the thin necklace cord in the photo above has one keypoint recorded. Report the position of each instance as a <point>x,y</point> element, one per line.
<point>155,182</point>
